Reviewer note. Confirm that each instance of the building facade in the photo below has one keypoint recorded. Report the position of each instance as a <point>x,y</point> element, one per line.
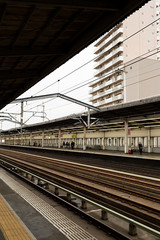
<point>127,59</point>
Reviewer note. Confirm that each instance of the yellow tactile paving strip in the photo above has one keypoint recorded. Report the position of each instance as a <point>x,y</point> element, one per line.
<point>10,225</point>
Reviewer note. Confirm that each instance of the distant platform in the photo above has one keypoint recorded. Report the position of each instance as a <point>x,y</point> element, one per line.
<point>136,154</point>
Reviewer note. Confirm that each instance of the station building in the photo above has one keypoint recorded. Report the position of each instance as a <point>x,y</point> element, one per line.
<point>127,69</point>
<point>113,128</point>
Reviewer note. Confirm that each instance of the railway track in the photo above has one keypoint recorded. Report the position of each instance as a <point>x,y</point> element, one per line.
<point>126,164</point>
<point>136,196</point>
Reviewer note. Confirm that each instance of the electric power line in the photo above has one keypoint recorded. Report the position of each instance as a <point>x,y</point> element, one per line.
<point>93,59</point>
<point>104,76</point>
<point>89,81</point>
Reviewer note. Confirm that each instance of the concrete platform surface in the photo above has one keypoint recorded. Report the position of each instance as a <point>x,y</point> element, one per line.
<point>41,219</point>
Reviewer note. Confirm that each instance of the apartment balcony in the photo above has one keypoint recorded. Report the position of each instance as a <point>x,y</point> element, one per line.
<point>102,60</point>
<point>106,92</point>
<point>99,87</point>
<point>109,39</point>
<point>103,69</point>
<point>109,100</point>
<point>106,84</point>
<point>113,53</point>
<point>114,78</point>
<point>106,35</point>
<point>99,95</point>
<point>110,46</point>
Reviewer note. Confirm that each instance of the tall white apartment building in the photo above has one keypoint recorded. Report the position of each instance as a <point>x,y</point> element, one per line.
<point>127,66</point>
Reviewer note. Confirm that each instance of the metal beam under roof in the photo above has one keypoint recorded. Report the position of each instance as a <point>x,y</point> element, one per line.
<point>55,95</point>
<point>38,36</point>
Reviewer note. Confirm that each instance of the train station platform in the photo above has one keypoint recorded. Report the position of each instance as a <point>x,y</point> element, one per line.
<point>136,154</point>
<point>151,156</point>
<point>25,216</point>
<point>10,224</point>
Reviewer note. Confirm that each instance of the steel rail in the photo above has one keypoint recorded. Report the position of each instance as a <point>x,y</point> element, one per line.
<point>93,167</point>
<point>142,205</point>
<point>118,187</point>
<point>105,170</point>
<point>121,216</point>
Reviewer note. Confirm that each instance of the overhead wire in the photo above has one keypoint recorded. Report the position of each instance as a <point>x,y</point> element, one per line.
<point>92,80</point>
<point>89,81</point>
<point>93,59</point>
<point>66,75</point>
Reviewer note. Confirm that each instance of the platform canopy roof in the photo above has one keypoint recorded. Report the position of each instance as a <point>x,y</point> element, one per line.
<point>37,36</point>
<point>138,114</point>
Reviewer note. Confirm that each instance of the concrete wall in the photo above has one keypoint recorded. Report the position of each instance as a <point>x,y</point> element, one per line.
<point>136,42</point>
<point>142,79</point>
